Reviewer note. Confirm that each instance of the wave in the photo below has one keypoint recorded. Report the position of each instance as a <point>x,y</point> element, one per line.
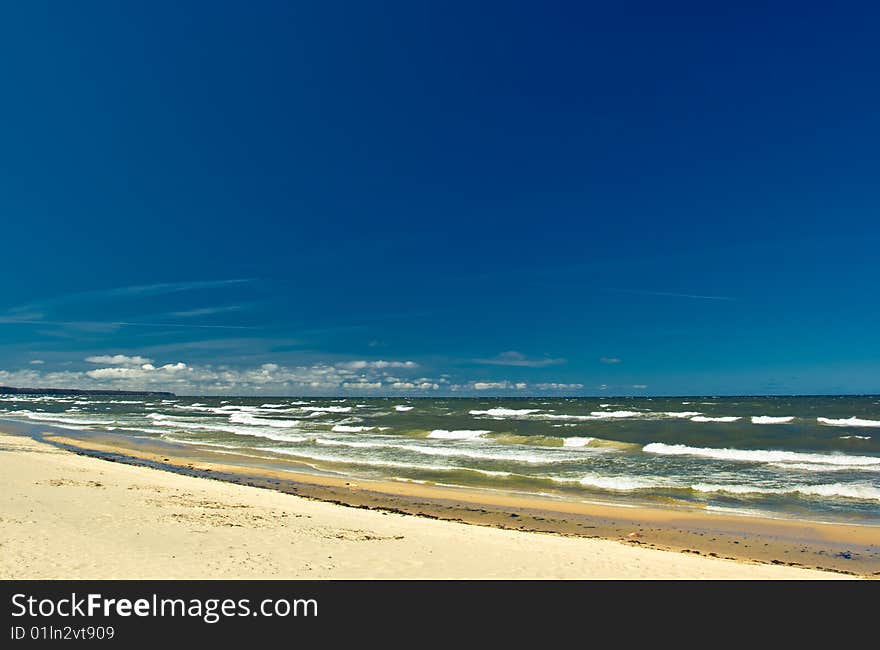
<point>403,409</point>
<point>326,409</point>
<point>725,418</point>
<point>762,455</point>
<point>463,434</point>
<point>848,490</point>
<point>615,414</point>
<point>222,410</point>
<point>224,428</point>
<point>355,445</point>
<point>376,462</point>
<point>770,419</point>
<point>246,418</point>
<point>623,483</point>
<point>493,455</point>
<point>272,406</point>
<point>576,441</point>
<point>342,428</point>
<point>50,417</point>
<point>824,467</point>
<point>681,414</point>
<point>849,422</point>
<point>856,437</point>
<point>502,412</point>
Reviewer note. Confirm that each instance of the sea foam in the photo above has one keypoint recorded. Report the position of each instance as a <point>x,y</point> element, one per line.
<point>463,434</point>
<point>576,441</point>
<point>761,455</point>
<point>770,419</point>
<point>342,428</point>
<point>502,412</point>
<point>849,422</point>
<point>246,418</point>
<point>848,490</point>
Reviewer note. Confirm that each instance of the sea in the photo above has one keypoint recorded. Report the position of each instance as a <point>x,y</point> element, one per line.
<point>812,457</point>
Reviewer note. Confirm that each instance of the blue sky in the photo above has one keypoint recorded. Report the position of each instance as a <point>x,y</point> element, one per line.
<point>434,198</point>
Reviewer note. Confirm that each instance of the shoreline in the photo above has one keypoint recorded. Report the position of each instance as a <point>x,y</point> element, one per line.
<point>700,535</point>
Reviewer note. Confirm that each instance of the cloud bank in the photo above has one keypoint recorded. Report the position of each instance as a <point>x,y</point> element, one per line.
<point>357,376</point>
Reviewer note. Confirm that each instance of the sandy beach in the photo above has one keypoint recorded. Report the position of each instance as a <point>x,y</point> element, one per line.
<point>66,515</point>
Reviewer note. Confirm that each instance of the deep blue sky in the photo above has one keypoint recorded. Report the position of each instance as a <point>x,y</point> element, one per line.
<point>620,198</point>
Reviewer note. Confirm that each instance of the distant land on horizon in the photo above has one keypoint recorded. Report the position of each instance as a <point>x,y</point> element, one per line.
<point>10,390</point>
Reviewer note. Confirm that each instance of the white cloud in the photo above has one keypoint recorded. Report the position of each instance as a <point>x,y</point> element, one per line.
<point>145,372</point>
<point>121,372</point>
<point>610,360</point>
<point>640,386</point>
<point>119,360</point>
<point>362,385</point>
<point>360,365</point>
<point>556,386</point>
<point>514,358</point>
<point>37,362</point>
<point>499,385</point>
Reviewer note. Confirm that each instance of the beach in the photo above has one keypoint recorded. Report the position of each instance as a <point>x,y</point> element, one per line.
<point>71,516</point>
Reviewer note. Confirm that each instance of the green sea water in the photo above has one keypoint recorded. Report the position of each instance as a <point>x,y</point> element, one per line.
<point>807,457</point>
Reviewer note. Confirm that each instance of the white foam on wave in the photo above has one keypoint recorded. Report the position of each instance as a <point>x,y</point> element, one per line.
<point>342,428</point>
<point>403,409</point>
<point>615,414</point>
<point>241,408</point>
<point>724,418</point>
<point>272,406</point>
<point>575,441</point>
<point>529,457</point>
<point>376,462</point>
<point>222,410</point>
<point>461,434</point>
<point>856,437</point>
<point>549,456</point>
<point>681,414</point>
<point>623,483</point>
<point>848,490</point>
<point>771,419</point>
<point>826,467</point>
<point>734,489</point>
<point>849,422</point>
<point>246,418</point>
<point>351,443</point>
<point>54,419</point>
<point>327,409</point>
<point>762,455</point>
<point>503,413</point>
<point>209,427</point>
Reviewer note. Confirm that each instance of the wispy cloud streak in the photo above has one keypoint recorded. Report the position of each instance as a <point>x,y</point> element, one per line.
<point>668,294</point>
<point>134,291</point>
<point>71,323</point>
